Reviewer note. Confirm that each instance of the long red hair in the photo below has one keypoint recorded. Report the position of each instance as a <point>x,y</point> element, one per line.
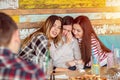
<point>88,31</point>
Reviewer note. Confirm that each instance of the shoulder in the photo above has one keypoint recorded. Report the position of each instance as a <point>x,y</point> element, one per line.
<point>74,40</point>
<point>94,41</point>
<point>93,38</point>
<point>39,38</point>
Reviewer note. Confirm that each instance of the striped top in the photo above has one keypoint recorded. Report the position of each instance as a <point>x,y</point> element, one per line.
<point>98,52</point>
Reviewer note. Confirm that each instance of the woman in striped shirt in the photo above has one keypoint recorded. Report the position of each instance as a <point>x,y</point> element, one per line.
<point>89,42</point>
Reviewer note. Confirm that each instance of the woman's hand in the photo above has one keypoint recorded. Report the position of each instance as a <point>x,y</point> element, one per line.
<point>79,62</point>
<point>70,63</point>
<point>74,62</point>
<point>69,37</point>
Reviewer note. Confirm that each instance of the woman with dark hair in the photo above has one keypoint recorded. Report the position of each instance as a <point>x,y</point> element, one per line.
<point>36,46</point>
<point>66,55</point>
<point>88,41</point>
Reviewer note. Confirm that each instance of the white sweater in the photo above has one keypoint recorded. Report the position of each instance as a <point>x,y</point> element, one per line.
<point>64,53</point>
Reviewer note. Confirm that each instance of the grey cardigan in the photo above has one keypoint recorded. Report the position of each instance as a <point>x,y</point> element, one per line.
<point>64,53</point>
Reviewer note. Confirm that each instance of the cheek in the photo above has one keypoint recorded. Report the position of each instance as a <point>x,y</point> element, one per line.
<point>58,31</point>
<point>80,35</point>
<point>74,32</point>
<point>51,31</point>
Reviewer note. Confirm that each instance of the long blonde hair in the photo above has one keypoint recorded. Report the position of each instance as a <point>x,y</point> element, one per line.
<point>45,29</point>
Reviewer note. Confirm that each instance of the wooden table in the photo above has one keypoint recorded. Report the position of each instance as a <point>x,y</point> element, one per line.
<point>76,73</point>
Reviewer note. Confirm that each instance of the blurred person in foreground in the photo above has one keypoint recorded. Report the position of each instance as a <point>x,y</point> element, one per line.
<point>12,67</point>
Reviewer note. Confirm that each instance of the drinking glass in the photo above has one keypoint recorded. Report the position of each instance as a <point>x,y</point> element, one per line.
<point>110,60</point>
<point>49,69</point>
<point>117,57</point>
<point>95,67</point>
<point>113,65</point>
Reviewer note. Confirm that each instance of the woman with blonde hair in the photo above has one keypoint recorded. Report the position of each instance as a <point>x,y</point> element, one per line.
<point>36,45</point>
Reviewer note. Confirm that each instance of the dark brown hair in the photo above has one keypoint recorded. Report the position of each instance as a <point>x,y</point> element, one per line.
<point>67,20</point>
<point>88,31</point>
<point>7,27</point>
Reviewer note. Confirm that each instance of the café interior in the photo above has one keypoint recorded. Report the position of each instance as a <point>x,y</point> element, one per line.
<point>105,19</point>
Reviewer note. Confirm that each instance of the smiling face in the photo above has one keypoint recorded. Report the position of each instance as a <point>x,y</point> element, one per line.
<point>56,28</point>
<point>77,31</point>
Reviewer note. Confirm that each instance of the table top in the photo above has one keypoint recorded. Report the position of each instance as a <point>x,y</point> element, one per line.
<point>67,75</point>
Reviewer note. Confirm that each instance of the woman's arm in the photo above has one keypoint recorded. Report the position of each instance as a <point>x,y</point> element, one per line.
<point>39,44</point>
<point>98,51</point>
<point>76,50</point>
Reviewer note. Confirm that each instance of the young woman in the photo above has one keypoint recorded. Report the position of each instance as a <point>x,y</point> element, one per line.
<point>65,55</point>
<point>89,43</point>
<point>35,46</point>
